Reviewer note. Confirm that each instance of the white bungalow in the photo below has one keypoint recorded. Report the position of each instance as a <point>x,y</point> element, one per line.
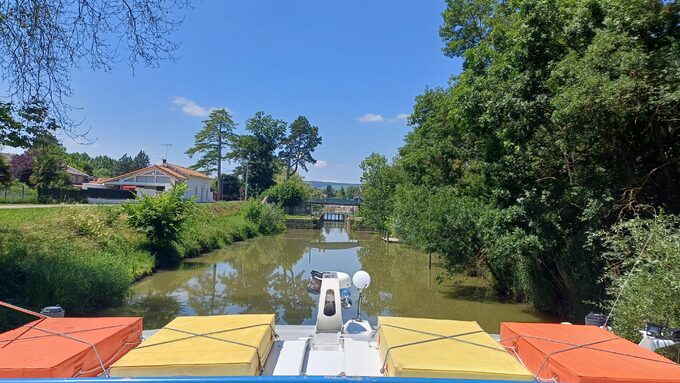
<point>159,178</point>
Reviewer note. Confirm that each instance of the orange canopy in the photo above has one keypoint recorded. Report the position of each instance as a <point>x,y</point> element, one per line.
<point>35,350</point>
<point>584,354</point>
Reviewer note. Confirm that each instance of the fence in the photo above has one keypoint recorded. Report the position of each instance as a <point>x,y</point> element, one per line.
<point>108,194</point>
<point>18,193</point>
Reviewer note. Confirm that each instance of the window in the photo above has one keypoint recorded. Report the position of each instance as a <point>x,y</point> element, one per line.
<point>131,179</point>
<point>163,180</point>
<point>148,179</point>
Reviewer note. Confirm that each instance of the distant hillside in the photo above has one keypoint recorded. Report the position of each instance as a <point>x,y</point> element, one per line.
<point>335,185</point>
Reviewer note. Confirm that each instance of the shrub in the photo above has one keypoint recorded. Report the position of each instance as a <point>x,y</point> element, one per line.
<point>288,193</point>
<point>252,210</point>
<point>161,219</point>
<point>268,218</point>
<point>643,274</point>
<point>271,220</point>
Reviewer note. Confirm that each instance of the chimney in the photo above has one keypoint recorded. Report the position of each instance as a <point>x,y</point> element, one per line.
<point>165,161</point>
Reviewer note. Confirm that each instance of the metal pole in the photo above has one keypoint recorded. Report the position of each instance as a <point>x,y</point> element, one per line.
<point>247,168</point>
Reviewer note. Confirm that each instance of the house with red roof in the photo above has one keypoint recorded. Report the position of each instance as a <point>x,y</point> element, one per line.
<point>159,178</point>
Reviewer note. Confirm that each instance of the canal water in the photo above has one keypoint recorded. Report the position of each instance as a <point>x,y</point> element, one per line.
<point>270,274</point>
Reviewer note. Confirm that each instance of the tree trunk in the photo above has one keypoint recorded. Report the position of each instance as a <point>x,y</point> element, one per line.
<point>219,164</point>
<point>288,172</point>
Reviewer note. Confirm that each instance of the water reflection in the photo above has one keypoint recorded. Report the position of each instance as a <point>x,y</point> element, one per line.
<point>269,274</point>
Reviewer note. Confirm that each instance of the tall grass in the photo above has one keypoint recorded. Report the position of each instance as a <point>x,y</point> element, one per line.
<point>86,257</point>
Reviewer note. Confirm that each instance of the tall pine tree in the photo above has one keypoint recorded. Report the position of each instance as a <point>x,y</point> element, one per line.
<point>212,143</point>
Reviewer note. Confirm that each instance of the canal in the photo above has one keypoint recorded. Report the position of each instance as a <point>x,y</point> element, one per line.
<point>270,274</point>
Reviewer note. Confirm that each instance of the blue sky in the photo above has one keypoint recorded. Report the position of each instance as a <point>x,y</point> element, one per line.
<point>353,68</point>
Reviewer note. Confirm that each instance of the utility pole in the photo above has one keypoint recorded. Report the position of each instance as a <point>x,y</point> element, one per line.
<point>247,168</point>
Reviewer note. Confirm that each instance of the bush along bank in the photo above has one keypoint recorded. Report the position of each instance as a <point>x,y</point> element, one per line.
<point>85,258</point>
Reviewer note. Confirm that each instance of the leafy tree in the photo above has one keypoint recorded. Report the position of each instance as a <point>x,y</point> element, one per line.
<point>255,151</point>
<point>103,173</point>
<point>141,160</point>
<point>289,192</point>
<point>48,164</point>
<point>351,192</point>
<point>21,167</point>
<point>299,145</point>
<point>230,187</point>
<point>37,52</point>
<point>161,218</point>
<point>329,191</point>
<point>104,162</point>
<point>466,24</point>
<point>81,161</point>
<point>212,143</point>
<point>5,175</point>
<point>563,120</point>
<point>20,127</point>
<point>124,165</point>
<point>378,182</point>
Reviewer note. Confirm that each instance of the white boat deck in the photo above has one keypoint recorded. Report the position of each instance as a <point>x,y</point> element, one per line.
<point>299,351</point>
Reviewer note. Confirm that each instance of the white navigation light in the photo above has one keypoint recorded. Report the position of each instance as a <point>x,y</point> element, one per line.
<point>361,279</point>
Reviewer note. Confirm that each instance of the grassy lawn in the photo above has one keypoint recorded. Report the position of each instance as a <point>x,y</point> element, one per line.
<point>85,257</point>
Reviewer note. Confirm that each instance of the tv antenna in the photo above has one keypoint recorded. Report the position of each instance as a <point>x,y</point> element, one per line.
<point>166,150</point>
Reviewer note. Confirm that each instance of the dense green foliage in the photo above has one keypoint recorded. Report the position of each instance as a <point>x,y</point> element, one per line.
<point>255,151</point>
<point>642,273</point>
<point>268,218</point>
<point>230,187</point>
<point>289,192</point>
<point>563,121</point>
<point>86,257</point>
<point>5,176</point>
<point>48,164</point>
<point>104,166</point>
<point>20,127</point>
<point>379,182</point>
<point>161,218</point>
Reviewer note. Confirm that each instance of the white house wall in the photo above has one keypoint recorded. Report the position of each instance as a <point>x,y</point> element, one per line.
<point>199,187</point>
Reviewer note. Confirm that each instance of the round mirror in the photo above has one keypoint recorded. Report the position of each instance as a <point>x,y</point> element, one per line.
<point>361,279</point>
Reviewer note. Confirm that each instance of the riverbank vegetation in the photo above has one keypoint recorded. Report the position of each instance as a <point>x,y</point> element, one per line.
<point>555,147</point>
<point>85,258</point>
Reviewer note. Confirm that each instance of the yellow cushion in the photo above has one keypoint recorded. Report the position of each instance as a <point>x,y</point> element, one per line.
<point>173,351</point>
<point>474,355</point>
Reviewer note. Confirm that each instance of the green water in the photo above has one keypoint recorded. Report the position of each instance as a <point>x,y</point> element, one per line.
<point>270,274</point>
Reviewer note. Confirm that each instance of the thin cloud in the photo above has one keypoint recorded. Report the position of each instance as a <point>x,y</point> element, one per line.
<point>370,117</point>
<point>402,116</point>
<point>191,108</point>
<point>320,164</point>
